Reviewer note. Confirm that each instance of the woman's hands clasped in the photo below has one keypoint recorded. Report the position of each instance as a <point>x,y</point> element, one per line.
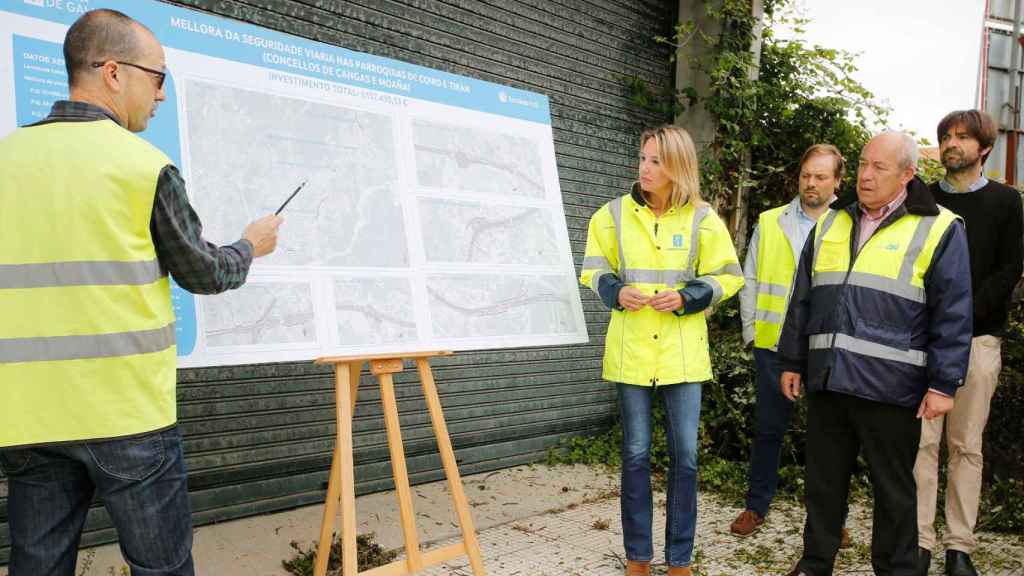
<point>632,299</point>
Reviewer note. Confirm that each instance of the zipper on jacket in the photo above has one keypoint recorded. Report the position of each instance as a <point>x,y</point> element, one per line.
<point>682,347</point>
<point>622,345</point>
<point>854,240</point>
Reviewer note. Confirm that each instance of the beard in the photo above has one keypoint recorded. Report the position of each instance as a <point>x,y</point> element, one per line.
<point>816,201</point>
<point>958,161</point>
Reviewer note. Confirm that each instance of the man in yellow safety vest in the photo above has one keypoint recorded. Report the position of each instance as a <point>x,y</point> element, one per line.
<point>93,220</point>
<point>772,255</point>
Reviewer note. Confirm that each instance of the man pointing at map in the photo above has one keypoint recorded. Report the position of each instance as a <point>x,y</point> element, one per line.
<point>93,219</point>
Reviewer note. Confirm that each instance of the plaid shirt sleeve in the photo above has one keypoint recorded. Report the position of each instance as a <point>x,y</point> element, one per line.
<point>196,265</point>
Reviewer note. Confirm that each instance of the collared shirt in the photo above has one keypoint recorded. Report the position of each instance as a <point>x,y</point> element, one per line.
<point>196,265</point>
<point>804,223</point>
<point>869,224</point>
<point>948,188</point>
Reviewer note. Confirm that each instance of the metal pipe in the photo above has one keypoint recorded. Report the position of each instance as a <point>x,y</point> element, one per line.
<point>1014,96</point>
<point>981,89</point>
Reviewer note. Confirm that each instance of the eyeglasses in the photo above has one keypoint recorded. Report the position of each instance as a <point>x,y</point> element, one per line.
<point>160,75</point>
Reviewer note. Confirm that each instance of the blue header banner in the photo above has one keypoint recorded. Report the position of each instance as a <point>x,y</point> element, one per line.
<point>192,31</point>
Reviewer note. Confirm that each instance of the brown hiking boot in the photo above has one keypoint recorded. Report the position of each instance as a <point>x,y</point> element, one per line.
<point>746,523</point>
<point>634,568</point>
<point>844,541</point>
<point>679,571</point>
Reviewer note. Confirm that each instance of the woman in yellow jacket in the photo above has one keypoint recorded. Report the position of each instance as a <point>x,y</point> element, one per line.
<point>658,257</point>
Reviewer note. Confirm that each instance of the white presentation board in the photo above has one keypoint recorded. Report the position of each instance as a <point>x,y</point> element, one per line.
<point>432,217</point>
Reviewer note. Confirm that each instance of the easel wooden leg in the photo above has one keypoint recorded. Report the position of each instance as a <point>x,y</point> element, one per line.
<point>341,483</point>
<point>323,549</point>
<point>414,558</point>
<point>346,403</point>
<point>451,468</point>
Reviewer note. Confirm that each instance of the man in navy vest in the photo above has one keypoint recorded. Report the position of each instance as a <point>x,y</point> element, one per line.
<point>878,330</point>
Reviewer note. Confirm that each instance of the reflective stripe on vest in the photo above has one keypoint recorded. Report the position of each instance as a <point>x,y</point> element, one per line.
<point>670,278</point>
<point>775,271</point>
<point>52,348</point>
<point>892,263</point>
<point>78,274</point>
<point>903,285</point>
<point>868,348</point>
<point>87,342</point>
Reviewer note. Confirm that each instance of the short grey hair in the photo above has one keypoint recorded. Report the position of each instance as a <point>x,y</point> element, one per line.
<point>97,36</point>
<point>909,153</point>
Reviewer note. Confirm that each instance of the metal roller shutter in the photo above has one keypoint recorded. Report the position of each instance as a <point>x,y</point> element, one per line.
<point>259,438</point>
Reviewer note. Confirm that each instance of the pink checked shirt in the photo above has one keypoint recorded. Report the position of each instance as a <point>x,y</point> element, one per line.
<point>869,224</point>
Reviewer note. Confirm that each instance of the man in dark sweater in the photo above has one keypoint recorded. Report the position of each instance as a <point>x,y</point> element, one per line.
<point>993,217</point>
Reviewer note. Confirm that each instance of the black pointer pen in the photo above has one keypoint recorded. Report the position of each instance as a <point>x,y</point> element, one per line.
<point>290,198</point>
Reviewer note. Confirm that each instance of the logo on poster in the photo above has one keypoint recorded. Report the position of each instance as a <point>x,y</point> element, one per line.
<point>507,98</point>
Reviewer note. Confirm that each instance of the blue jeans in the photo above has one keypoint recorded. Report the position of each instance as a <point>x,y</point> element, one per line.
<point>682,413</point>
<point>773,412</point>
<point>142,482</point>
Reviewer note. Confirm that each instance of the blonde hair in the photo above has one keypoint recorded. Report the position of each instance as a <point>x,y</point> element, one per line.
<point>679,160</point>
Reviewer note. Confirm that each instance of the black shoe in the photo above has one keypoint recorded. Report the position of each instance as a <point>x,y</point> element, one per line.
<point>959,564</point>
<point>924,561</point>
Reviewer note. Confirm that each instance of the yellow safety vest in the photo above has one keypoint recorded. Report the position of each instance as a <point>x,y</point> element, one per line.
<point>686,243</point>
<point>776,268</point>
<point>891,265</point>
<point>87,338</point>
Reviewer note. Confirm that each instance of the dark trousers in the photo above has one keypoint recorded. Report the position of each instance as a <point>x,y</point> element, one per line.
<point>143,484</point>
<point>772,415</point>
<point>838,427</point>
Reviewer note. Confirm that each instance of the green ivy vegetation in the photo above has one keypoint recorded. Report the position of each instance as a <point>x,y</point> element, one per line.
<point>803,95</point>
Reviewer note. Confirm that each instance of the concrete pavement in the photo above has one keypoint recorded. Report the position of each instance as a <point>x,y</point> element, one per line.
<point>539,521</point>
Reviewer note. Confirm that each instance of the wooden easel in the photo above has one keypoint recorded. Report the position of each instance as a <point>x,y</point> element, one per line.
<point>342,480</point>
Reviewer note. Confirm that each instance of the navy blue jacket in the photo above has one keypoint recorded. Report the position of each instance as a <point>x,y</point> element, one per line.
<point>941,326</point>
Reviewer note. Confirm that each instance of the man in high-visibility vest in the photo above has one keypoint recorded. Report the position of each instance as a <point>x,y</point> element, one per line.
<point>878,330</point>
<point>93,219</point>
<point>772,255</point>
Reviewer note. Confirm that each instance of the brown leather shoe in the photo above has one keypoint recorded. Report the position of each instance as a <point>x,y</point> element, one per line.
<point>844,541</point>
<point>746,523</point>
<point>634,568</point>
<point>679,571</point>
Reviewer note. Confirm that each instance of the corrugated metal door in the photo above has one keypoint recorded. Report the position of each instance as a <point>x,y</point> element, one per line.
<point>259,438</point>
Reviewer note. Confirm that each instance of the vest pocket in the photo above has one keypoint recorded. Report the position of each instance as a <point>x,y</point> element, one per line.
<point>883,333</point>
<point>833,255</point>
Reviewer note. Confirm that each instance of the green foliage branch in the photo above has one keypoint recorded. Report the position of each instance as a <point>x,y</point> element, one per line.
<point>802,94</point>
